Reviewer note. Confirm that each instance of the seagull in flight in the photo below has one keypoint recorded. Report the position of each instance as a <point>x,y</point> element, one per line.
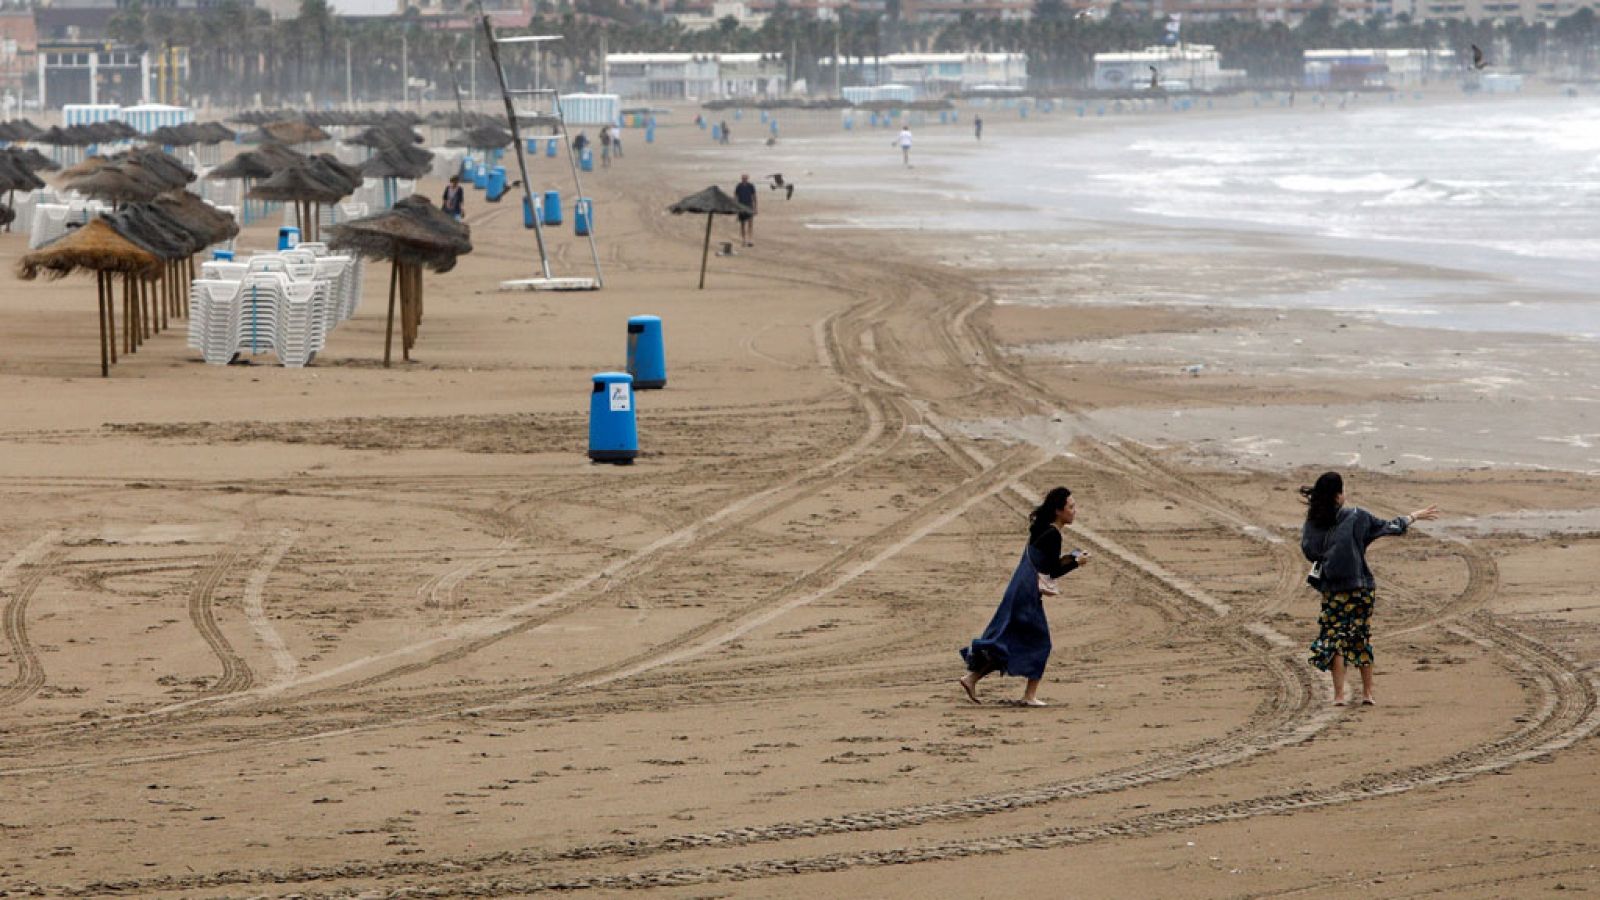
<point>1478,61</point>
<point>779,184</point>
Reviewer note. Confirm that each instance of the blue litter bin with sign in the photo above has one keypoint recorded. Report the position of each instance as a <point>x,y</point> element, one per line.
<point>551,148</point>
<point>613,429</point>
<point>552,207</point>
<point>288,237</point>
<point>582,216</point>
<point>716,134</point>
<point>647,355</point>
<point>586,160</point>
<point>496,184</point>
<point>531,211</point>
<point>467,166</point>
<point>480,176</point>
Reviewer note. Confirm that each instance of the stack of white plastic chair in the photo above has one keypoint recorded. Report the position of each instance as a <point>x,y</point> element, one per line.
<point>214,320</point>
<point>52,220</point>
<point>26,203</point>
<point>302,322</point>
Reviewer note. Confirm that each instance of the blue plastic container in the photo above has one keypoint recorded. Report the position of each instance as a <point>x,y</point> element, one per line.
<point>650,133</point>
<point>530,209</point>
<point>582,217</point>
<point>716,134</point>
<point>533,146</point>
<point>468,164</point>
<point>288,237</point>
<point>647,355</point>
<point>586,160</point>
<point>613,428</point>
<point>480,176</point>
<point>222,255</point>
<point>551,148</point>
<point>496,184</point>
<point>552,207</point>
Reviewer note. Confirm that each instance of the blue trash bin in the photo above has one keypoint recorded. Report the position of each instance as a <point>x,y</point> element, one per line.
<point>496,184</point>
<point>552,207</point>
<point>650,133</point>
<point>222,255</point>
<point>550,148</point>
<point>716,134</point>
<point>613,428</point>
<point>586,160</point>
<point>288,237</point>
<point>582,216</point>
<point>647,355</point>
<point>468,164</point>
<point>533,146</point>
<point>530,210</point>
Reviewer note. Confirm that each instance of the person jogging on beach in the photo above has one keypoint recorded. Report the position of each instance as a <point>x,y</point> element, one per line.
<point>977,127</point>
<point>1017,641</point>
<point>905,144</point>
<point>745,193</point>
<point>1335,539</point>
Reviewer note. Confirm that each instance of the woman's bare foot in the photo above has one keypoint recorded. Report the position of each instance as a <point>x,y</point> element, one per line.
<point>970,688</point>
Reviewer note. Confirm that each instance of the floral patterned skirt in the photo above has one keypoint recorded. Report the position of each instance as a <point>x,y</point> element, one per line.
<point>1344,629</point>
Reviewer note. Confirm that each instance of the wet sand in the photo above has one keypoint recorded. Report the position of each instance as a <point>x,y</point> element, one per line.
<point>348,631</point>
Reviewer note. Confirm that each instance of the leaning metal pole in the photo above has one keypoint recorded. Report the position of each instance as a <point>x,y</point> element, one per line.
<point>594,253</point>
<point>517,145</point>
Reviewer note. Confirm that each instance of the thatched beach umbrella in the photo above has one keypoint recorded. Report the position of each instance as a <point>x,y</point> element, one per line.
<point>308,186</point>
<point>293,131</point>
<point>254,165</point>
<point>30,159</point>
<point>117,185</point>
<point>712,202</point>
<point>413,235</point>
<point>99,248</point>
<point>483,137</point>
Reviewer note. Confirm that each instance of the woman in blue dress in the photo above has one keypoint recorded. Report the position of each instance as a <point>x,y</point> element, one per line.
<point>1017,641</point>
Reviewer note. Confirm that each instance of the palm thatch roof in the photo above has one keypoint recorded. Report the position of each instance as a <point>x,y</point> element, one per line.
<point>210,224</point>
<point>155,230</point>
<point>385,135</point>
<point>30,159</point>
<point>413,231</point>
<point>293,131</point>
<point>14,177</point>
<point>483,137</point>
<point>259,163</point>
<point>88,166</point>
<point>96,247</point>
<point>214,133</point>
<point>166,169</point>
<point>302,183</point>
<point>117,184</point>
<point>711,201</point>
<point>329,166</point>
<point>18,130</point>
<point>394,164</point>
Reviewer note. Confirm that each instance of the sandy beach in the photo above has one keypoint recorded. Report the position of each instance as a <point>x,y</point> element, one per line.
<point>348,631</point>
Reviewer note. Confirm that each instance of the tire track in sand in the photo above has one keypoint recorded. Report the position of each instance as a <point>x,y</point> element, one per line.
<point>30,672</point>
<point>236,675</point>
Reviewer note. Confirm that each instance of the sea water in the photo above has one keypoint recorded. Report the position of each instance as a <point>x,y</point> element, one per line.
<point>1508,189</point>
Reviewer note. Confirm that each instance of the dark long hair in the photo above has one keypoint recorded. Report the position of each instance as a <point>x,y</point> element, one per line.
<point>1322,499</point>
<point>1046,511</point>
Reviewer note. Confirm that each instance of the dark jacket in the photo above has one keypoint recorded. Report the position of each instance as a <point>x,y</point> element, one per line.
<point>1044,549</point>
<point>1343,548</point>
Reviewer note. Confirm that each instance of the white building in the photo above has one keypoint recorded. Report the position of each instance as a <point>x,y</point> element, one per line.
<point>937,74</point>
<point>702,20</point>
<point>1195,67</point>
<point>1368,67</point>
<point>696,76</point>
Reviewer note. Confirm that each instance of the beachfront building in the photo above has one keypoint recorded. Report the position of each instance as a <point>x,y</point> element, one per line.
<point>708,17</point>
<point>934,74</point>
<point>696,76</point>
<point>1193,67</point>
<point>19,41</point>
<point>1391,67</point>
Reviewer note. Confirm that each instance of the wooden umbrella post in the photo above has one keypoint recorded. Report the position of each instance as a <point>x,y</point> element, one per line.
<point>705,252</point>
<point>111,314</point>
<point>105,360</point>
<point>127,313</point>
<point>388,335</point>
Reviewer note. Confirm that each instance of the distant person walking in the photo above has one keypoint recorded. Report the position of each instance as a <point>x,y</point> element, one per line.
<point>1017,641</point>
<point>1335,539</point>
<point>453,199</point>
<point>745,193</point>
<point>977,127</point>
<point>905,144</point>
<point>605,147</point>
<point>616,142</point>
<point>725,137</point>
<point>580,142</point>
